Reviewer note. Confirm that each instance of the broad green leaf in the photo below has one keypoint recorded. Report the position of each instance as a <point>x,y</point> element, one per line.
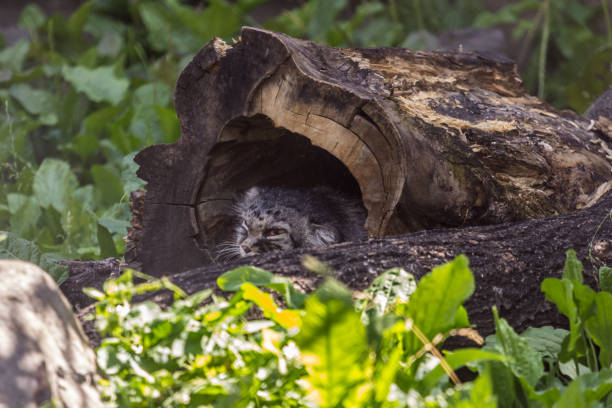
<point>233,280</point>
<point>35,101</point>
<point>13,247</point>
<point>53,183</point>
<point>586,390</point>
<point>573,267</point>
<point>436,303</point>
<point>599,327</point>
<point>107,183</point>
<point>13,56</point>
<point>456,359</point>
<point>333,349</point>
<point>285,318</point>
<point>325,13</point>
<point>503,381</point>
<point>597,385</point>
<point>25,212</point>
<point>605,279</point>
<point>145,120</point>
<point>129,179</point>
<point>169,124</point>
<point>32,18</point>
<point>331,289</point>
<point>561,293</point>
<point>114,225</point>
<point>99,84</point>
<point>524,360</point>
<point>77,20</point>
<point>106,243</point>
<point>546,340</point>
<point>392,285</point>
<point>110,45</point>
<point>482,395</point>
<point>385,374</point>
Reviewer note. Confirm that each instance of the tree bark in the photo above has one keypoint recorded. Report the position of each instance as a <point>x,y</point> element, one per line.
<point>509,262</point>
<point>425,139</point>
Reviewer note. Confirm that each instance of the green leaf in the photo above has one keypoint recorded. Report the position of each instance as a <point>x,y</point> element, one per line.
<point>599,327</point>
<point>13,247</point>
<point>587,390</point>
<point>77,20</point>
<point>524,361</point>
<point>53,183</point>
<point>333,349</point>
<point>108,184</point>
<point>392,285</point>
<point>232,281</point>
<point>33,100</point>
<point>99,84</point>
<point>14,56</point>
<point>25,212</point>
<point>129,179</point>
<point>561,293</point>
<point>106,243</point>
<point>285,318</point>
<point>456,359</point>
<point>114,225</point>
<point>605,278</point>
<point>145,120</point>
<point>110,45</point>
<point>32,18</point>
<point>169,124</point>
<point>482,395</point>
<point>546,340</point>
<point>325,12</point>
<point>573,267</point>
<point>436,303</point>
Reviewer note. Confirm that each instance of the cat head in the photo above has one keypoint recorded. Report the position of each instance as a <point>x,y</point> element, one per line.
<point>271,219</point>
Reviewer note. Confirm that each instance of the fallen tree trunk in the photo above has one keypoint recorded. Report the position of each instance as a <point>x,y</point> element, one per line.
<point>509,262</point>
<point>425,139</point>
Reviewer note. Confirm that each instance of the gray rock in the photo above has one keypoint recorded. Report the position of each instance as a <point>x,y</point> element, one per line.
<point>601,107</point>
<point>44,355</point>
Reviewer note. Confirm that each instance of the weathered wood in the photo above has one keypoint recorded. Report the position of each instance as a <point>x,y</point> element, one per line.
<point>426,139</point>
<point>509,262</point>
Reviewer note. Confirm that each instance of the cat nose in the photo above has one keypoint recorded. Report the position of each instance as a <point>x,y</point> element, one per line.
<point>246,249</point>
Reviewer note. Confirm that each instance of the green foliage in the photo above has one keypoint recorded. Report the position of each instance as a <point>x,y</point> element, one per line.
<point>576,376</point>
<point>318,353</point>
<point>328,350</point>
<point>569,66</point>
<point>79,98</point>
<point>13,247</point>
<point>83,93</point>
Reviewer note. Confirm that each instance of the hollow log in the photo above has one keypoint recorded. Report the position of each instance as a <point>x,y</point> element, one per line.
<point>509,262</point>
<point>425,139</point>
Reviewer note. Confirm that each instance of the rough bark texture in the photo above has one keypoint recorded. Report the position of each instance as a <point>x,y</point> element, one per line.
<point>425,139</point>
<point>509,262</point>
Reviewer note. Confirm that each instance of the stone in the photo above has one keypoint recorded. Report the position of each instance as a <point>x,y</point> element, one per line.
<point>44,355</point>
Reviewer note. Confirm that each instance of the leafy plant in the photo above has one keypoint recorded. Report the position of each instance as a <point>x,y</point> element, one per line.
<point>329,350</point>
<point>322,352</point>
<point>569,66</point>
<point>79,98</point>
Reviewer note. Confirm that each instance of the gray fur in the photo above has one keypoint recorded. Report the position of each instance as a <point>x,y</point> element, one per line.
<point>278,218</point>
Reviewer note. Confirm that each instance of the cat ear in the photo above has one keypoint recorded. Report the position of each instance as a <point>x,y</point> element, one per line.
<point>323,235</point>
<point>251,193</point>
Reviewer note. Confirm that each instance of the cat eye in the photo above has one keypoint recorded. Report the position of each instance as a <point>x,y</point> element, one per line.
<point>274,231</point>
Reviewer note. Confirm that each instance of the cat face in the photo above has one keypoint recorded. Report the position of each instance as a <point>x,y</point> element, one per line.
<point>273,219</point>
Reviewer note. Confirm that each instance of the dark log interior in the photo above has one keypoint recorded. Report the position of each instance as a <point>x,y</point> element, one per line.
<point>252,152</point>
